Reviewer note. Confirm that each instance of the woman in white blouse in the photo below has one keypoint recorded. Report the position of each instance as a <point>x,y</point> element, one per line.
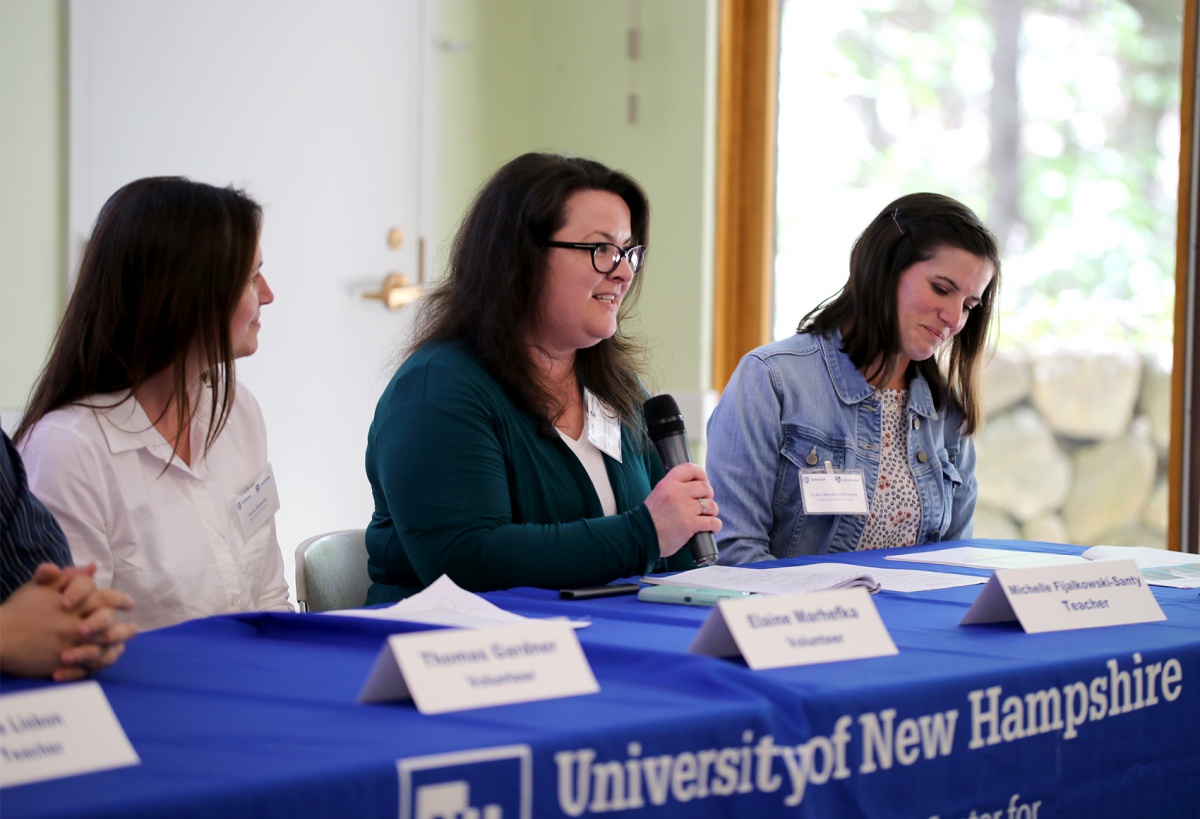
<point>138,437</point>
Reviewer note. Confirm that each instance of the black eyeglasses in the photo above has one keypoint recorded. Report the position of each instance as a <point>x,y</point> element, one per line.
<point>606,256</point>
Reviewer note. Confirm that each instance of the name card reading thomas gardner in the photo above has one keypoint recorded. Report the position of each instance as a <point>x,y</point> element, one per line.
<point>800,629</point>
<point>459,669</point>
<point>60,731</point>
<point>1062,598</point>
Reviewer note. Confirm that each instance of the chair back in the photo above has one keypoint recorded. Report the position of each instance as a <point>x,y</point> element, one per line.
<point>331,571</point>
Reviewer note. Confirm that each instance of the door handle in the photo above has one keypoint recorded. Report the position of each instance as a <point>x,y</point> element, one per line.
<point>396,292</point>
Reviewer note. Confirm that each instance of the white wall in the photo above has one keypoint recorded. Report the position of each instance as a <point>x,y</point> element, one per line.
<point>522,75</point>
<point>513,76</point>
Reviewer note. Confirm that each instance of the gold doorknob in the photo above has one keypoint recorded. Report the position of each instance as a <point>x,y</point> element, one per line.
<point>396,292</point>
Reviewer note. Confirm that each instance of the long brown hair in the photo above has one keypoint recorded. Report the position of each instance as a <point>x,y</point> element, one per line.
<point>499,271</point>
<point>908,231</point>
<point>159,282</point>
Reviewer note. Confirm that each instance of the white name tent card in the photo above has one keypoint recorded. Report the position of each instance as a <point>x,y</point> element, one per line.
<point>774,632</point>
<point>456,670</point>
<point>60,731</point>
<point>1062,598</point>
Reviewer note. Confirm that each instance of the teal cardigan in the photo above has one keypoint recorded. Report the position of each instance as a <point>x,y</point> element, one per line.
<point>466,485</point>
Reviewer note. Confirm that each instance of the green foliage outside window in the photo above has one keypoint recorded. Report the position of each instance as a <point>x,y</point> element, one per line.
<point>1057,121</point>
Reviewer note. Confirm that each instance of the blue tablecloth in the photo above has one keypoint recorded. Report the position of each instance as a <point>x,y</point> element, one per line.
<point>255,715</point>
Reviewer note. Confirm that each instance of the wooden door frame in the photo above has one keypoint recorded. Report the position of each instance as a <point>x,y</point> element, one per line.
<point>747,102</point>
<point>1183,517</point>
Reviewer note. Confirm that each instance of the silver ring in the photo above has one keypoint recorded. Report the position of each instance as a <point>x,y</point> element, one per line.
<point>703,506</point>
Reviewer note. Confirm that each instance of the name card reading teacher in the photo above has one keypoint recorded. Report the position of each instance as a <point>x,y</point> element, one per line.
<point>459,669</point>
<point>60,731</point>
<point>1062,598</point>
<point>801,629</point>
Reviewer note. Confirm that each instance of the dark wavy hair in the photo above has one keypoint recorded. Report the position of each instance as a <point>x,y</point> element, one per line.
<point>908,231</point>
<point>498,273</point>
<point>159,281</point>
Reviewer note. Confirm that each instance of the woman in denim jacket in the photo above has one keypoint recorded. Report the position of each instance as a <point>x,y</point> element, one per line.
<point>880,381</point>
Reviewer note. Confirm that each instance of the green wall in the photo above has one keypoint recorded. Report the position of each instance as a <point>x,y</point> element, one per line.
<point>512,76</point>
<point>32,188</point>
<point>522,75</point>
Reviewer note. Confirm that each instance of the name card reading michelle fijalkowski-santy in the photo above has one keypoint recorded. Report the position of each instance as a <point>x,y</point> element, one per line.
<point>459,669</point>
<point>802,629</point>
<point>1061,598</point>
<point>60,731</point>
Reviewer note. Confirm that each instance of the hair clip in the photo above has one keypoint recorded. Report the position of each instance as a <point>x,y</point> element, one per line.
<point>897,221</point>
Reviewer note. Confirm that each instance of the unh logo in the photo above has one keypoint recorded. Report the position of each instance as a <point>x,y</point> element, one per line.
<point>487,783</point>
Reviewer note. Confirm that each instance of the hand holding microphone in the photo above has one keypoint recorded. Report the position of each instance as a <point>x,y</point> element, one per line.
<point>681,504</point>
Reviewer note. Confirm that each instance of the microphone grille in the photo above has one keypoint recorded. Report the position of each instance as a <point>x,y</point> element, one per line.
<point>663,417</point>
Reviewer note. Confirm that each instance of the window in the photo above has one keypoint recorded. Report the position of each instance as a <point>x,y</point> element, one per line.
<point>1059,124</point>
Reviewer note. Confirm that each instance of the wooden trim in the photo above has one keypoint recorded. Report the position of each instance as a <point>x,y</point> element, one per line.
<point>1182,484</point>
<point>747,102</point>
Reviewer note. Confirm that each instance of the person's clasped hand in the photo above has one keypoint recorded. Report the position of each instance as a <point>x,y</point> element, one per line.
<point>60,625</point>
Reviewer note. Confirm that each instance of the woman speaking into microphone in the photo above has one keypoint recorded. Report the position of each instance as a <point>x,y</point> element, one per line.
<point>509,448</point>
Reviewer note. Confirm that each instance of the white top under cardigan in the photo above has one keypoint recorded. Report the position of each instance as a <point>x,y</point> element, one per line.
<point>169,538</point>
<point>592,459</point>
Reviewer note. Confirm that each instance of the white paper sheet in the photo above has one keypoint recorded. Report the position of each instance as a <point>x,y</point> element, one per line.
<point>1177,570</point>
<point>974,557</point>
<point>445,603</point>
<point>1159,567</point>
<point>814,577</point>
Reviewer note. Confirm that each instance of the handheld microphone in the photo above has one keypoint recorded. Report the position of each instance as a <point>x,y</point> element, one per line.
<point>665,426</point>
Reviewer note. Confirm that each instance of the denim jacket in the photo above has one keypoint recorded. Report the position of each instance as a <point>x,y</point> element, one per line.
<point>803,394</point>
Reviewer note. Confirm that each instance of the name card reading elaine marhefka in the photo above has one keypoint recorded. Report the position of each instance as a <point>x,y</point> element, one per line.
<point>799,629</point>
<point>60,731</point>
<point>1061,598</point>
<point>459,669</point>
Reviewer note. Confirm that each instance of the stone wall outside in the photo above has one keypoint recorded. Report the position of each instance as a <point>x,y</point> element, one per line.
<point>1074,448</point>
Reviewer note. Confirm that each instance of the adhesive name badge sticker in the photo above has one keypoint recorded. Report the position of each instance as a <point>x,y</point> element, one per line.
<point>461,669</point>
<point>603,427</point>
<point>799,629</point>
<point>60,731</point>
<point>258,504</point>
<point>826,492</point>
<point>1062,598</point>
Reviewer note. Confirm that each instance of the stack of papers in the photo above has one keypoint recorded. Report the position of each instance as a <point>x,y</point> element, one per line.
<point>1158,566</point>
<point>973,557</point>
<point>812,578</point>
<point>1177,570</point>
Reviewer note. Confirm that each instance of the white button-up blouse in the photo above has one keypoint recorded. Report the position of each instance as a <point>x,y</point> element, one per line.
<point>166,534</point>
